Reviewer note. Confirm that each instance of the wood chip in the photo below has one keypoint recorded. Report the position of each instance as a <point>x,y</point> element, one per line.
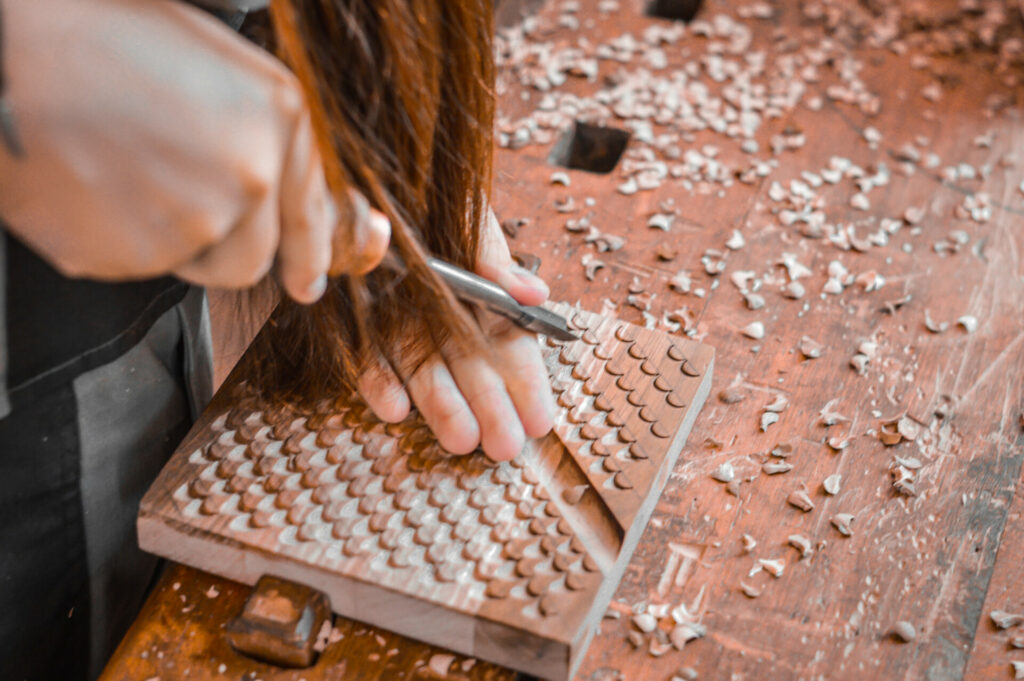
<point>801,544</point>
<point>904,631</point>
<point>801,500</point>
<point>838,443</point>
<point>748,543</point>
<point>968,322</point>
<point>440,663</point>
<point>1005,620</point>
<point>842,522</point>
<point>811,349</point>
<point>754,330</point>
<point>645,622</point>
<point>736,241</point>
<point>773,567</point>
<point>751,591</point>
<point>776,467</point>
<point>724,473</point>
<point>732,395</point>
<point>684,632</point>
<point>665,252</point>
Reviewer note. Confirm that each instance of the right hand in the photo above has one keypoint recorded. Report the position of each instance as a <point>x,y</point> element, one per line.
<point>159,142</point>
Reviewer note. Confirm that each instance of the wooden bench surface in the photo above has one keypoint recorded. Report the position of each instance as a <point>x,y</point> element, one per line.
<point>939,560</point>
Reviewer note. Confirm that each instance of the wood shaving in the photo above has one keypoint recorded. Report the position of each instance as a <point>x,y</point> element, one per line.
<point>904,631</point>
<point>748,543</point>
<point>842,521</point>
<point>782,450</point>
<point>902,480</point>
<point>684,632</point>
<point>828,416</point>
<point>801,544</point>
<point>754,330</point>
<point>773,567</point>
<point>680,282</point>
<point>662,221</point>
<point>736,241</point>
<point>732,395</point>
<point>794,290</point>
<point>859,363</point>
<point>724,473</point>
<point>889,435</point>
<point>768,419</point>
<point>776,467</point>
<point>591,265</point>
<point>754,301</point>
<point>838,443</point>
<point>657,648</point>
<point>686,674</point>
<point>645,622</point>
<point>665,252</point>
<point>751,591</point>
<point>1005,620</point>
<point>968,322</point>
<point>440,663</point>
<point>932,326</point>
<point>1018,669</point>
<point>832,483</point>
<point>801,500</point>
<point>561,178</point>
<point>811,349</point>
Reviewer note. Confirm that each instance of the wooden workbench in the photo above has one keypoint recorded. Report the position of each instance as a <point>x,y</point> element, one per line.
<point>940,560</point>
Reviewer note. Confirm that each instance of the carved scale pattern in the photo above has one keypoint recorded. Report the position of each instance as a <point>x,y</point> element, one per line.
<point>383,503</point>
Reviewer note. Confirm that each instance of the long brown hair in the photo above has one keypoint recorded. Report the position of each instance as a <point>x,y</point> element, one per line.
<point>402,102</point>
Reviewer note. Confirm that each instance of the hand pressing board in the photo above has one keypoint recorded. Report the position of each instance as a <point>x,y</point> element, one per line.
<point>514,563</point>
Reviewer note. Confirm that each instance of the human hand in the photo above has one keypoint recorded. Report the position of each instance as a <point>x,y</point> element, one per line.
<point>159,142</point>
<point>471,400</point>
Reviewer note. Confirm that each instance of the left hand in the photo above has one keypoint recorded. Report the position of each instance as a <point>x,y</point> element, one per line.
<point>472,400</point>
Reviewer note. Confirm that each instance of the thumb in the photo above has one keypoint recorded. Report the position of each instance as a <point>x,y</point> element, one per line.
<point>495,263</point>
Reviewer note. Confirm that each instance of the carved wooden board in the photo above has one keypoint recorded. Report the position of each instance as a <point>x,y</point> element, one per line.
<point>512,563</point>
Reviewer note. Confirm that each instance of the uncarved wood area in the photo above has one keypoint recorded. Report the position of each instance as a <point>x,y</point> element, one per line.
<point>873,264</point>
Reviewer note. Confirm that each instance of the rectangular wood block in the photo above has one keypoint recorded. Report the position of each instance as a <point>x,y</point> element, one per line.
<point>514,563</point>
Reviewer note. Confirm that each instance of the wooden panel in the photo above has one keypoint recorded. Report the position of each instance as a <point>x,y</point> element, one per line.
<point>512,563</point>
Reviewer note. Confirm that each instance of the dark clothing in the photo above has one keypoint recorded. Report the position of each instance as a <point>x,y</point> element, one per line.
<point>94,396</point>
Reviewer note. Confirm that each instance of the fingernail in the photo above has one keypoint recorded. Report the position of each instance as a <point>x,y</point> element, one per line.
<point>317,289</point>
<point>527,278</point>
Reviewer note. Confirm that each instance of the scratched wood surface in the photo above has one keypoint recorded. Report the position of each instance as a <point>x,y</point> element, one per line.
<point>939,560</point>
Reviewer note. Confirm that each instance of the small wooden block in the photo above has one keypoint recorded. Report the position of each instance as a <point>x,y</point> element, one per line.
<point>457,551</point>
<point>280,623</point>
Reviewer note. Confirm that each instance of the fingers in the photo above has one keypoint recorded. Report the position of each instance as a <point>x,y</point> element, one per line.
<point>518,358</point>
<point>319,238</point>
<point>243,257</point>
<point>361,239</point>
<point>501,434</point>
<point>495,263</point>
<point>383,392</point>
<point>443,406</point>
<point>307,218</point>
